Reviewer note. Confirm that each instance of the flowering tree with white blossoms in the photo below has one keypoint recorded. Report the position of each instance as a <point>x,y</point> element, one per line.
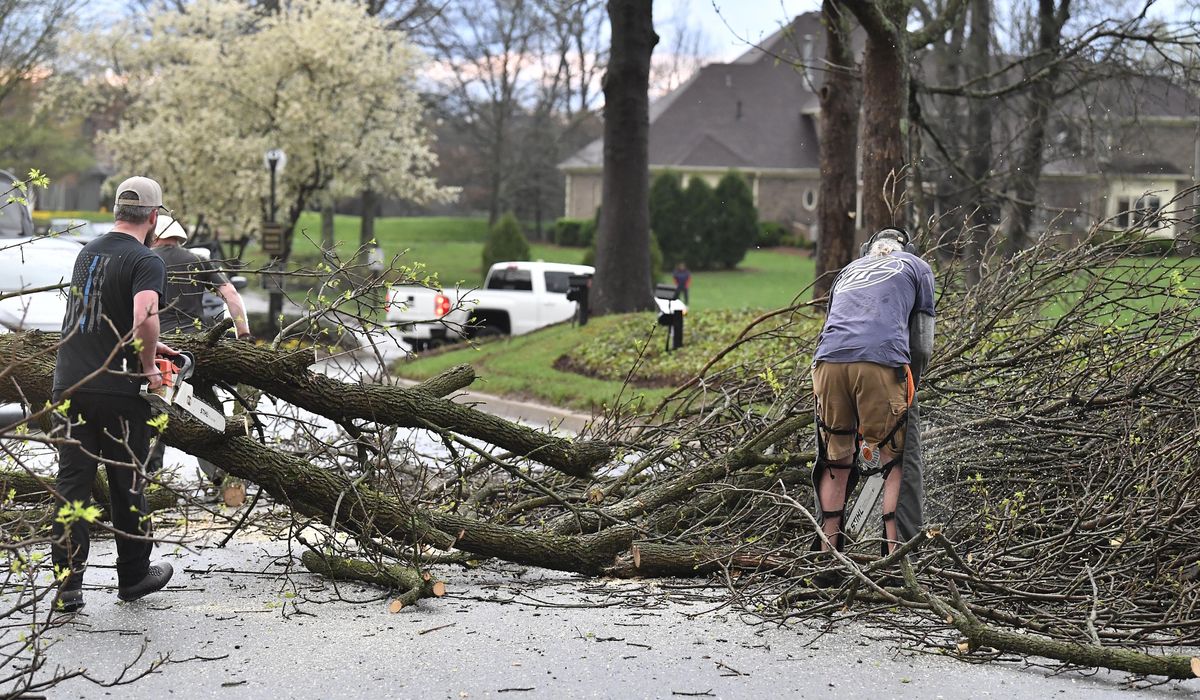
<point>203,94</point>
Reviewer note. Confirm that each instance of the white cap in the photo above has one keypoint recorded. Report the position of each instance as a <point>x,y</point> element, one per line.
<point>169,228</point>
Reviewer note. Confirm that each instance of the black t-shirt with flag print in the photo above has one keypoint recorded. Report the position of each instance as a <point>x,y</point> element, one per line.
<point>109,271</point>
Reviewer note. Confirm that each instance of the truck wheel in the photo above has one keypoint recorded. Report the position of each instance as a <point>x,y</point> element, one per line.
<point>487,331</point>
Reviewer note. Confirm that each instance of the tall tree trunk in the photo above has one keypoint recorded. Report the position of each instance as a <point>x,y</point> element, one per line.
<point>839,149</point>
<point>885,101</point>
<point>327,237</point>
<point>622,281</point>
<point>370,203</point>
<point>1027,168</point>
<point>979,150</point>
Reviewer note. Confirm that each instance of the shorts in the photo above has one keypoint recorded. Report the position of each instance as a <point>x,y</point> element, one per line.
<point>861,397</point>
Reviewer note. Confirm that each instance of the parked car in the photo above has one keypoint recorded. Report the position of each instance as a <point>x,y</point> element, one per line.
<point>516,298</point>
<point>15,219</point>
<point>31,264</point>
<point>79,230</point>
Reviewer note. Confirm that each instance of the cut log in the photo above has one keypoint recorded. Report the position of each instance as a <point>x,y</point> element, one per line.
<point>393,576</point>
<point>664,559</point>
<point>413,583</point>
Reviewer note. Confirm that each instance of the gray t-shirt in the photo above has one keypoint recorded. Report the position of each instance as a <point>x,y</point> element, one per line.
<point>873,298</point>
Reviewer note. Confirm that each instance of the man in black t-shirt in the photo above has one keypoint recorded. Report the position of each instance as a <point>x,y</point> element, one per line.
<point>110,340</point>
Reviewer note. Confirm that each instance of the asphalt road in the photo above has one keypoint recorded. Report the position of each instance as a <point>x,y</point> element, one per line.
<point>243,622</point>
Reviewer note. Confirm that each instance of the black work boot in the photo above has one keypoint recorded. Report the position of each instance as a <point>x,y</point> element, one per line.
<point>68,600</point>
<point>156,577</point>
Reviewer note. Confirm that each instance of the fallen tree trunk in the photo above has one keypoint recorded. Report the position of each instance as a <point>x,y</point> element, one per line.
<point>413,583</point>
<point>331,496</point>
<point>290,379</point>
<point>27,488</point>
<point>286,375</point>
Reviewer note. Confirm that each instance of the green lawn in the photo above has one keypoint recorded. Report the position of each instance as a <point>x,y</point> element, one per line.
<point>453,247</point>
<point>523,367</point>
<point>766,279</point>
<point>43,216</point>
<point>449,246</point>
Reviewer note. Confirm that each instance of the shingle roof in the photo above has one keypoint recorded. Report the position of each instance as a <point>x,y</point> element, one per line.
<point>755,112</point>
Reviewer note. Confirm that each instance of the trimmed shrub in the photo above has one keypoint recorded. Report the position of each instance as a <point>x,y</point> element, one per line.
<point>667,215</point>
<point>569,232</point>
<point>735,226</point>
<point>587,234</point>
<point>771,234</point>
<point>505,242</point>
<point>698,219</point>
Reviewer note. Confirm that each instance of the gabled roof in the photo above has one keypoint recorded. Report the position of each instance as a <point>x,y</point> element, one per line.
<point>756,112</point>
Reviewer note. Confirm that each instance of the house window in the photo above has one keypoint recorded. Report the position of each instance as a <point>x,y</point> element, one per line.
<point>1138,211</point>
<point>810,199</point>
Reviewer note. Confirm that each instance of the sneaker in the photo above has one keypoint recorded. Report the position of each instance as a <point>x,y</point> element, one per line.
<point>68,600</point>
<point>157,577</point>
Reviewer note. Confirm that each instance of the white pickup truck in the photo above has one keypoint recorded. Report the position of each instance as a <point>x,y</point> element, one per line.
<point>516,298</point>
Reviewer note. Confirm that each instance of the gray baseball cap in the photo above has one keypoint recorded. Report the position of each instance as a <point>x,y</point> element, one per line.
<point>139,192</point>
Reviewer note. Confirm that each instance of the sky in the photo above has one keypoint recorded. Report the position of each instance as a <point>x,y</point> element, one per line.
<point>727,25</point>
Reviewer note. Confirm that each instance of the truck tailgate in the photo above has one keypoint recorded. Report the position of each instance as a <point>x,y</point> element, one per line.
<point>413,304</point>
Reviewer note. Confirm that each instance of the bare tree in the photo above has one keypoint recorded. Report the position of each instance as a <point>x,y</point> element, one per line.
<point>623,274</point>
<point>688,48</point>
<point>28,33</point>
<point>1027,166</point>
<point>983,213</point>
<point>486,49</point>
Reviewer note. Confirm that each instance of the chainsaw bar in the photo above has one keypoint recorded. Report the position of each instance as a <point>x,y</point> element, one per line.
<point>177,397</point>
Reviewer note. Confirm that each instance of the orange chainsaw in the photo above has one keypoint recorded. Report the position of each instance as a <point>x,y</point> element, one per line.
<point>177,395</point>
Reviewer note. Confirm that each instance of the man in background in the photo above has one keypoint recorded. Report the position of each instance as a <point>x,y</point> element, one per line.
<point>188,277</point>
<point>683,282</point>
